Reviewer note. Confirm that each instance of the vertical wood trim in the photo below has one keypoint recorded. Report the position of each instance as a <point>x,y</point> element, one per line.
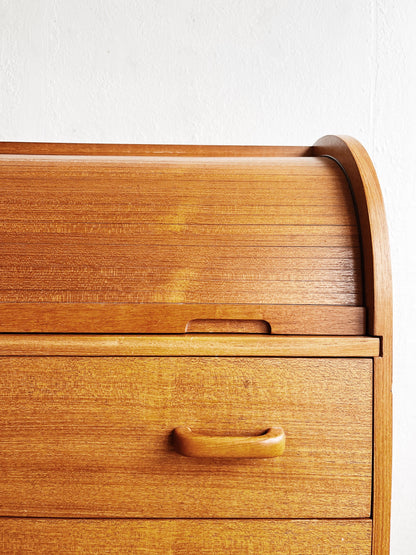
<point>382,440</point>
<point>378,298</point>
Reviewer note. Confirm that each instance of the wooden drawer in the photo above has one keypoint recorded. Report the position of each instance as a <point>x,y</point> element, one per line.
<point>186,537</point>
<point>91,436</point>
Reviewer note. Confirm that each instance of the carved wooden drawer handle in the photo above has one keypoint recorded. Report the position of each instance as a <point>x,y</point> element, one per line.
<point>268,445</point>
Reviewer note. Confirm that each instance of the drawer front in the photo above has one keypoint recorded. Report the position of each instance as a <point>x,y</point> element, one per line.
<point>187,537</point>
<point>92,436</point>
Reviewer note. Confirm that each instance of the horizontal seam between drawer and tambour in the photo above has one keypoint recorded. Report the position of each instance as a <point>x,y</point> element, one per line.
<point>237,519</point>
<point>188,345</point>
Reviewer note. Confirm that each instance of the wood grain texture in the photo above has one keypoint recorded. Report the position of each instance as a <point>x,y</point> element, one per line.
<point>94,149</point>
<point>183,230</point>
<point>188,345</point>
<point>171,318</point>
<point>378,298</point>
<point>91,437</point>
<point>115,239</point>
<point>382,473</point>
<point>268,445</point>
<point>185,537</point>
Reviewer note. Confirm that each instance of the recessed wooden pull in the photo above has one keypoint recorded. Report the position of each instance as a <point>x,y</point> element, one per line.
<point>191,444</point>
<point>221,325</point>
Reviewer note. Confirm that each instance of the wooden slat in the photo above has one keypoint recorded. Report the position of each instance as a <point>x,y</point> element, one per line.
<point>94,149</point>
<point>138,189</point>
<point>170,167</point>
<point>31,257</point>
<point>201,215</point>
<point>90,436</point>
<point>179,293</point>
<point>132,234</point>
<point>131,276</point>
<point>185,537</point>
<point>171,318</point>
<point>188,345</point>
<point>166,256</point>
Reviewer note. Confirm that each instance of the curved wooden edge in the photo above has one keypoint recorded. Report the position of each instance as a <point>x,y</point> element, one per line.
<point>271,444</point>
<point>355,161</point>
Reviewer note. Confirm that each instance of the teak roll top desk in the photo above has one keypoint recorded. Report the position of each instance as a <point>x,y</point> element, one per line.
<point>195,350</point>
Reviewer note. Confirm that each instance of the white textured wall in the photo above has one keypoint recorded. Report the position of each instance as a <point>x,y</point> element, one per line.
<point>242,72</point>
